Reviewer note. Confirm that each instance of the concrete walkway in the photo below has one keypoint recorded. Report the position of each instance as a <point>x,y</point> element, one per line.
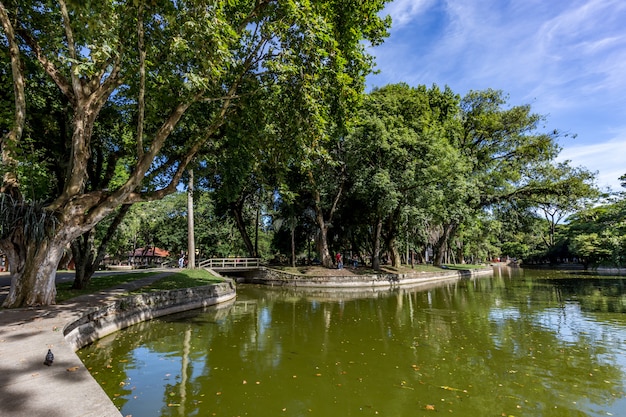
<point>28,388</point>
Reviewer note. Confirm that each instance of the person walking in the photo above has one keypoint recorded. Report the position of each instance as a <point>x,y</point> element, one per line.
<point>339,261</point>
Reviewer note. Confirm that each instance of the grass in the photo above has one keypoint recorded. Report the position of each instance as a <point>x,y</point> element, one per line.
<point>185,278</point>
<point>98,283</point>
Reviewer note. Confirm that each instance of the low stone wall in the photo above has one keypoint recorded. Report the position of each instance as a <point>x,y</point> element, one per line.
<point>273,277</point>
<point>123,312</point>
<point>603,270</point>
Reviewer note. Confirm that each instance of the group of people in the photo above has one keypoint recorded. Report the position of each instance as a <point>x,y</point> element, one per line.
<point>339,261</point>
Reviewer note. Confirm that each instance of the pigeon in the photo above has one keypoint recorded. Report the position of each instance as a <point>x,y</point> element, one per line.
<point>49,358</point>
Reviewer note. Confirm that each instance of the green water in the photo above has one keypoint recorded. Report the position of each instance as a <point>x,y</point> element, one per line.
<point>517,344</point>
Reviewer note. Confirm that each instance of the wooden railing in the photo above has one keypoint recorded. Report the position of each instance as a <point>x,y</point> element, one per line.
<point>230,263</point>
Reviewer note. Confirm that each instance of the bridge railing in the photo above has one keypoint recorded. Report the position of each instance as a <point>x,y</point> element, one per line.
<point>230,263</point>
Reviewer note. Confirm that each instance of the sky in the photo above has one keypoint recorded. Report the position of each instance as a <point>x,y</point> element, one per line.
<point>566,58</point>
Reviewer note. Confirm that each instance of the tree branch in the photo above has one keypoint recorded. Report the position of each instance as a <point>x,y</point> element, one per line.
<point>142,80</point>
<point>71,47</point>
<point>49,67</point>
<point>9,141</point>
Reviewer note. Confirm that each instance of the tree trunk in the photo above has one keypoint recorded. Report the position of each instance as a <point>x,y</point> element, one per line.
<point>391,233</point>
<point>191,240</point>
<point>33,272</point>
<point>327,259</point>
<point>256,232</point>
<point>87,258</point>
<point>293,246</point>
<point>441,245</point>
<point>376,250</point>
<point>84,254</point>
<point>67,257</point>
<point>394,254</point>
<point>459,253</point>
<point>236,209</point>
<point>10,139</point>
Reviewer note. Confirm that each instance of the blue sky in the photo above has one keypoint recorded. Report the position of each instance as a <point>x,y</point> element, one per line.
<point>566,58</point>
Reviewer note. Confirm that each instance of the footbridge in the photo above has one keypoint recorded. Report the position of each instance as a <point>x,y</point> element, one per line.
<point>231,264</point>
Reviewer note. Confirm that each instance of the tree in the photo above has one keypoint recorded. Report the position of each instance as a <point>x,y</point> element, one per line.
<point>577,192</point>
<point>161,60</point>
<point>504,148</point>
<point>597,235</point>
<point>400,158</point>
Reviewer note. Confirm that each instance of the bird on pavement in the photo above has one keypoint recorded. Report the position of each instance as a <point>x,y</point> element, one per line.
<point>49,358</point>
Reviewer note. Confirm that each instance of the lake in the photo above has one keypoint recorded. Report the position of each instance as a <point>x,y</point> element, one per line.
<point>520,343</point>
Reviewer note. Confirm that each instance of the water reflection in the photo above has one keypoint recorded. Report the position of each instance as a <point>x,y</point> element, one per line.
<point>518,344</point>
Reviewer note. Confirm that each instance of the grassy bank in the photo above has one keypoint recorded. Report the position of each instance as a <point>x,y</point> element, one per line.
<point>184,278</point>
<point>180,278</point>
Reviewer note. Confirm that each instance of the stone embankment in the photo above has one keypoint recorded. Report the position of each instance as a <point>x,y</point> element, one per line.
<point>121,313</point>
<point>28,388</point>
<point>274,277</point>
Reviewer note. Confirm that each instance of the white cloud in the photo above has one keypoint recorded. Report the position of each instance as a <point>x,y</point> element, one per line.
<point>607,158</point>
<point>403,12</point>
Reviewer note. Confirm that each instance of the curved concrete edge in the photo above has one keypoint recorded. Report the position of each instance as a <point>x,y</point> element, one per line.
<point>129,310</point>
<point>274,277</point>
<point>67,389</point>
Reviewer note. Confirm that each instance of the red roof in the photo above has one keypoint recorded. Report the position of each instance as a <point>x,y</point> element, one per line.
<point>150,252</point>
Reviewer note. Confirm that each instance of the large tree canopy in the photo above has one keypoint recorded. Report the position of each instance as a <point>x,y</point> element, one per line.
<point>161,62</point>
<point>400,159</point>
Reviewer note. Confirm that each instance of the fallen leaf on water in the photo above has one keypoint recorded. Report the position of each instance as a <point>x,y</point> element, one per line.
<point>452,389</point>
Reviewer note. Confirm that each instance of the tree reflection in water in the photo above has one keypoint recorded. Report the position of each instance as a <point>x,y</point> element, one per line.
<point>520,343</point>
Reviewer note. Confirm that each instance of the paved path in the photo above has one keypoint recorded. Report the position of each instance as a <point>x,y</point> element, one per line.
<point>28,388</point>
